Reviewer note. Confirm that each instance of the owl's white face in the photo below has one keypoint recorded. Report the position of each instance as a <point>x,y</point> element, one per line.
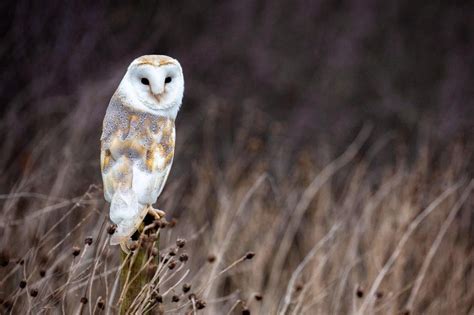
<point>154,84</point>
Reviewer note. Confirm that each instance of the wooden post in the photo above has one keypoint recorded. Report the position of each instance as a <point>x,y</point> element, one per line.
<point>131,269</point>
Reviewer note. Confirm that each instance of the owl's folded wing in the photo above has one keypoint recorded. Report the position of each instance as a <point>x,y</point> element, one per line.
<point>106,164</point>
<point>116,170</point>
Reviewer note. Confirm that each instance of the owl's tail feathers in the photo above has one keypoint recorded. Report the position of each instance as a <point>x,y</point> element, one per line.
<point>126,213</point>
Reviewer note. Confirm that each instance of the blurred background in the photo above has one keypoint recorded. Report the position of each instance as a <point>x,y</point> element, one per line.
<point>281,87</point>
<point>323,67</point>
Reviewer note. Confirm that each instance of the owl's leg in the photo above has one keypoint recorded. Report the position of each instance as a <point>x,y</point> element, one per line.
<point>156,213</point>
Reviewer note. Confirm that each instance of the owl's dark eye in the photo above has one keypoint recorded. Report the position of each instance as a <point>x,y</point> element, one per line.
<point>145,81</point>
<point>168,80</point>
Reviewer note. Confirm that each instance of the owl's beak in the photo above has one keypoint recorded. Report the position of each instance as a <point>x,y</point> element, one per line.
<point>157,96</point>
<point>157,90</point>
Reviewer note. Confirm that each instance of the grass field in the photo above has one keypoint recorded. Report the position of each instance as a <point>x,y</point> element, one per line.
<point>323,164</point>
<point>374,227</point>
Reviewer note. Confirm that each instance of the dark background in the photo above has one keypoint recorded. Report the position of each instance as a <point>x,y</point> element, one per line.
<point>275,93</point>
<point>321,67</point>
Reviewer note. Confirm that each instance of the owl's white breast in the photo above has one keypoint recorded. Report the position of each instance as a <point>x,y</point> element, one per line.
<point>148,186</point>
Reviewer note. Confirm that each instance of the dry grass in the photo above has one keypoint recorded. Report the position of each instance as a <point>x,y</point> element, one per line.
<point>372,229</point>
<point>278,215</point>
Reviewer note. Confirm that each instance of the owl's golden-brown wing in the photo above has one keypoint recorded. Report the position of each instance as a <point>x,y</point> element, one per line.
<point>117,170</point>
<point>115,162</point>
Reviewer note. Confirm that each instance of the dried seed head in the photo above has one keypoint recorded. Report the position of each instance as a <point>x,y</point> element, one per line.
<point>76,251</point>
<point>183,257</point>
<point>42,273</point>
<point>258,296</point>
<point>34,292</point>
<point>180,242</point>
<point>154,251</point>
<point>101,303</point>
<point>88,241</point>
<point>186,287</point>
<point>111,229</point>
<point>144,238</point>
<point>379,294</point>
<point>245,311</point>
<point>200,304</point>
<point>211,258</point>
<point>249,255</point>
<point>22,284</point>
<point>172,265</point>
<point>299,287</point>
<point>159,299</point>
<point>133,245</point>
<point>359,292</point>
<point>175,298</point>
<point>84,300</point>
<point>172,252</point>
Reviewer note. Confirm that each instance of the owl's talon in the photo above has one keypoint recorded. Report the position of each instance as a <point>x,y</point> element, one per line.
<point>156,213</point>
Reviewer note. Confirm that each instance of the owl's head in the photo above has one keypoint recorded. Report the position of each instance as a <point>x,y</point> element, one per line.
<point>154,84</point>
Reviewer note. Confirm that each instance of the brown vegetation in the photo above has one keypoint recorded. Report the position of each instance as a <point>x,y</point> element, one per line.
<point>324,158</point>
<point>266,228</point>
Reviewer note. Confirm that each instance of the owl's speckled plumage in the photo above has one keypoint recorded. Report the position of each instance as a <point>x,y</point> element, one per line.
<point>138,140</point>
<point>135,138</point>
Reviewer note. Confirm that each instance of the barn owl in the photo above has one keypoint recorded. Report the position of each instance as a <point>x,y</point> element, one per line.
<point>138,139</point>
